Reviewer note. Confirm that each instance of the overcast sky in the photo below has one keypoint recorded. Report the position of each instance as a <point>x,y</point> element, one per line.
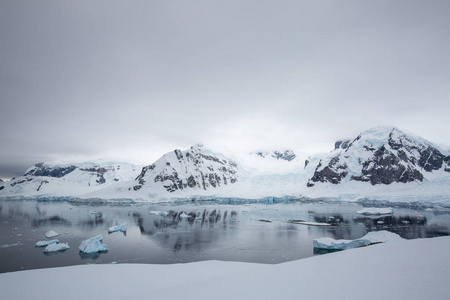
<point>136,79</point>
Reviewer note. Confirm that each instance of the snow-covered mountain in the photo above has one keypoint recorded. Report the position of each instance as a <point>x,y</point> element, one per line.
<point>382,163</point>
<point>381,155</point>
<point>196,168</point>
<point>56,179</point>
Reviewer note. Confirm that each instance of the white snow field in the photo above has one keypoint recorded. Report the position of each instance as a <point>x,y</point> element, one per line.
<point>400,269</point>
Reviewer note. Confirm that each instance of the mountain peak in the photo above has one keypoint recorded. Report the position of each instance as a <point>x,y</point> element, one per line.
<point>195,168</point>
<point>381,155</point>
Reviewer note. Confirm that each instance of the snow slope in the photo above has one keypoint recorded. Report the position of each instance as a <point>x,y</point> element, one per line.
<point>400,269</point>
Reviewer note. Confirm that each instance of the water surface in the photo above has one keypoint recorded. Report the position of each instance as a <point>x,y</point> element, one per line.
<point>259,233</point>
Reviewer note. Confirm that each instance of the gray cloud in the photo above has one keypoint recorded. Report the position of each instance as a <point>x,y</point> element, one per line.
<point>137,79</point>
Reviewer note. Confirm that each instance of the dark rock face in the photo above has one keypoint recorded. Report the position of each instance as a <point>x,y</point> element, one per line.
<point>20,181</point>
<point>400,158</point>
<point>333,172</point>
<point>431,159</point>
<point>194,168</point>
<point>144,171</point>
<point>385,168</point>
<point>97,171</point>
<point>341,144</point>
<point>42,183</point>
<point>447,163</point>
<point>41,170</point>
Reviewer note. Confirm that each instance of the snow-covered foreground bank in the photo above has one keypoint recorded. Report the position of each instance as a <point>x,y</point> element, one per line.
<point>403,269</point>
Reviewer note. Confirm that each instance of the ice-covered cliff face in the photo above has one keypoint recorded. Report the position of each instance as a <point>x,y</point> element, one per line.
<point>381,155</point>
<point>69,179</point>
<point>196,168</point>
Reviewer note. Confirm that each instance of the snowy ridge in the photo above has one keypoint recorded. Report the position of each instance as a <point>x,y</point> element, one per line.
<point>54,179</point>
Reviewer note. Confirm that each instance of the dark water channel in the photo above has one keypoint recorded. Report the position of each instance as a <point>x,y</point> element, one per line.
<point>169,233</point>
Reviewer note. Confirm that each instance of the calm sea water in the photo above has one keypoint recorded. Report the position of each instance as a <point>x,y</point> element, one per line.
<point>259,233</point>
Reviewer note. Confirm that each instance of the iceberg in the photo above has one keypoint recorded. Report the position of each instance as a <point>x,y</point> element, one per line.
<point>46,243</point>
<point>370,238</point>
<point>93,245</point>
<point>51,233</point>
<point>121,227</point>
<point>56,247</point>
<point>376,211</point>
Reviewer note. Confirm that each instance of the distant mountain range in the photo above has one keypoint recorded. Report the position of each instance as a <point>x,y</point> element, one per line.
<point>380,163</point>
<point>287,155</point>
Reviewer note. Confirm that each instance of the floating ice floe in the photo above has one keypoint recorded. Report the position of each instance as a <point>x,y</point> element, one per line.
<point>301,222</point>
<point>184,216</point>
<point>56,247</point>
<point>11,245</point>
<point>51,233</point>
<point>93,245</point>
<point>46,243</point>
<point>159,213</point>
<point>376,211</point>
<point>121,227</point>
<point>370,238</point>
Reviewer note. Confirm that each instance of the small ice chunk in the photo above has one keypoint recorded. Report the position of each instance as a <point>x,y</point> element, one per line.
<point>46,243</point>
<point>51,233</point>
<point>56,247</point>
<point>184,215</point>
<point>308,223</point>
<point>93,245</point>
<point>122,227</point>
<point>10,245</point>
<point>376,211</point>
<point>159,213</point>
